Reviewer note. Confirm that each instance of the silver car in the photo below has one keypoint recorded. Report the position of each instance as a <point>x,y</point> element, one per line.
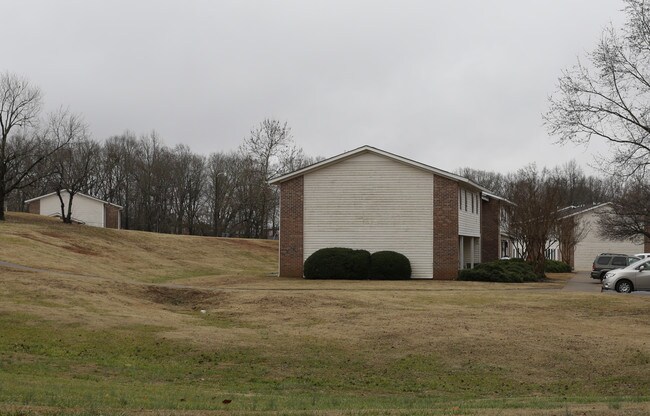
<point>636,276</point>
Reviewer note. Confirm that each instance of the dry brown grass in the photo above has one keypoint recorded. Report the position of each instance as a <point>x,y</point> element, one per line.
<point>598,409</point>
<point>46,243</point>
<point>482,340</point>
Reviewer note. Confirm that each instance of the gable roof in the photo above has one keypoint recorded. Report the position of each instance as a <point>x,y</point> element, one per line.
<point>374,150</point>
<point>489,194</point>
<point>77,194</point>
<point>572,210</point>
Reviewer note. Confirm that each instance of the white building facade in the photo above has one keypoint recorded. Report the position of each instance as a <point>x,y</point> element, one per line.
<point>85,209</point>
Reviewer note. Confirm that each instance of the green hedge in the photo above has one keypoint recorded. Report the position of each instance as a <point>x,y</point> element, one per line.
<point>346,263</point>
<point>554,266</point>
<point>389,265</point>
<point>338,263</point>
<point>508,271</point>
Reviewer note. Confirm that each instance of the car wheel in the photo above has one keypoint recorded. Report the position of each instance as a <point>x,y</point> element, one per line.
<point>624,286</point>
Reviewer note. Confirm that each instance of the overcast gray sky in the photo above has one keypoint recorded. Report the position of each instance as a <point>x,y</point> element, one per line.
<point>447,83</point>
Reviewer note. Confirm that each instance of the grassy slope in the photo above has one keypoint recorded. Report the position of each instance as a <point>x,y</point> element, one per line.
<point>44,242</point>
<point>119,328</point>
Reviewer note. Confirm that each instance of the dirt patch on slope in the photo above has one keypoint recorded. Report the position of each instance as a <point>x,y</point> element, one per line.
<point>181,296</point>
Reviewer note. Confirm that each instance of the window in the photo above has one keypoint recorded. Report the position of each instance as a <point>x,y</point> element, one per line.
<point>619,261</point>
<point>472,202</point>
<point>603,260</point>
<point>460,200</point>
<point>465,192</point>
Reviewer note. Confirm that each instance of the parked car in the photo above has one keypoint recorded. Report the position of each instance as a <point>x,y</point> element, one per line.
<point>636,276</point>
<point>605,262</point>
<point>642,255</point>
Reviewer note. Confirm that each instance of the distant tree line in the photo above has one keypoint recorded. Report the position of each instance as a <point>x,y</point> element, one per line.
<point>574,187</point>
<point>171,189</point>
<point>162,189</point>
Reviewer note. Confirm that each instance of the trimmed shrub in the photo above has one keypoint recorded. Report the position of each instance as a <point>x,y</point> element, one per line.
<point>507,271</point>
<point>554,266</point>
<point>389,265</point>
<point>337,263</point>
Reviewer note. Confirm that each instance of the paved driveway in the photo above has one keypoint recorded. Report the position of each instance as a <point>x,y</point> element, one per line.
<point>582,282</point>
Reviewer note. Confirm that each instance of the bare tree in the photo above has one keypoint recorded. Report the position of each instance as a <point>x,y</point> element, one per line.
<point>180,162</point>
<point>222,173</point>
<point>74,168</point>
<point>495,182</point>
<point>609,98</point>
<point>196,183</point>
<point>629,216</point>
<point>154,185</point>
<point>25,169</point>
<point>118,174</point>
<point>568,232</point>
<point>267,147</point>
<point>536,196</point>
<point>267,144</point>
<point>187,186</point>
<point>20,106</point>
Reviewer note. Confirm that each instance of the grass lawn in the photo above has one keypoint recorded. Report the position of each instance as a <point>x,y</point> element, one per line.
<point>126,323</point>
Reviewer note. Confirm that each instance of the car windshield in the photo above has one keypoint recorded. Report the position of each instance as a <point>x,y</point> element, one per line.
<point>638,263</point>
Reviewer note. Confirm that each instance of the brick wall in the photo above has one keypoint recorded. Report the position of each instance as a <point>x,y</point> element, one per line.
<point>291,227</point>
<point>34,207</point>
<point>445,229</point>
<point>490,230</point>
<point>112,216</point>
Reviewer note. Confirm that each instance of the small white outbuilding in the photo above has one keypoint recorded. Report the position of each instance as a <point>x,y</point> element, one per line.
<point>85,209</point>
<point>592,242</point>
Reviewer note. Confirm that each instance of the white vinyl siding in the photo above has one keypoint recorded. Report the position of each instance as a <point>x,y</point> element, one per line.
<point>51,206</point>
<point>86,210</point>
<point>373,203</point>
<point>469,215</point>
<point>592,245</point>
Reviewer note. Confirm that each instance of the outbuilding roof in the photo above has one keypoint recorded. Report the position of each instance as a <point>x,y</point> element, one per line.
<point>370,149</point>
<point>572,210</point>
<point>76,194</point>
